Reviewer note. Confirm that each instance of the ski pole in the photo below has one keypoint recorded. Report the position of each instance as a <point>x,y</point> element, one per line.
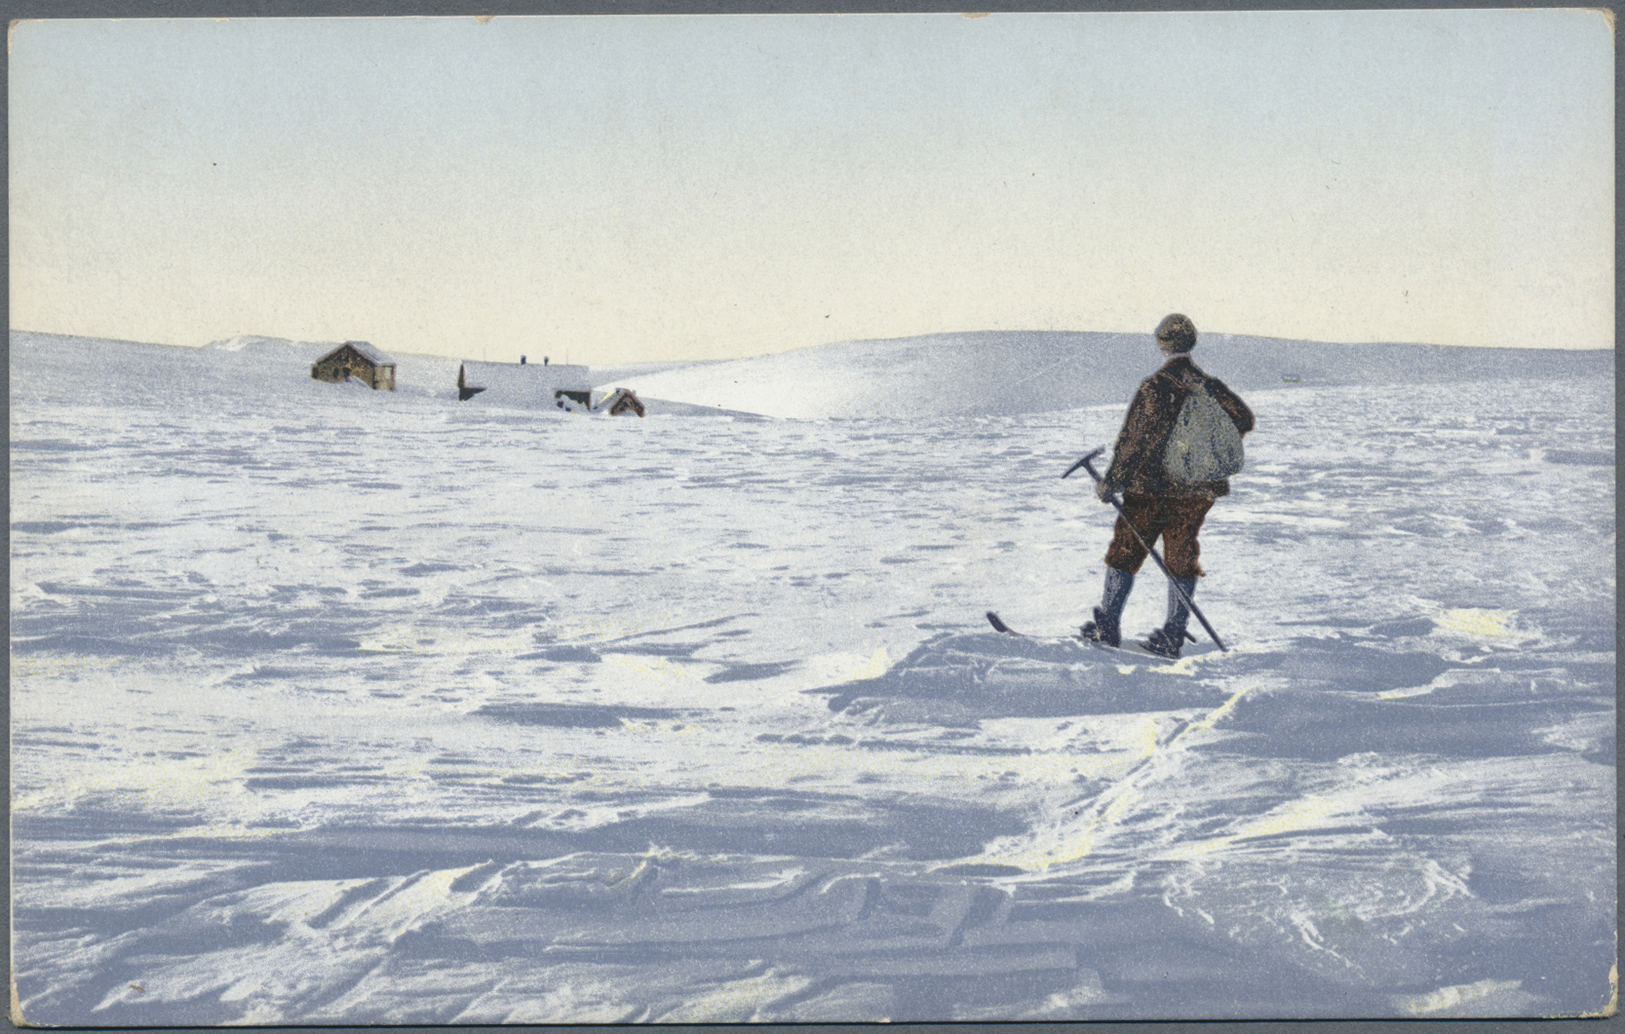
<point>1087,464</point>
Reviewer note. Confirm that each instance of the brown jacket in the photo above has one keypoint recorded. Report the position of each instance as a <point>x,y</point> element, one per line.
<point>1137,457</point>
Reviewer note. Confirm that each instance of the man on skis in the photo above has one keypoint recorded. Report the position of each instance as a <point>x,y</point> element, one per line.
<point>1168,484</point>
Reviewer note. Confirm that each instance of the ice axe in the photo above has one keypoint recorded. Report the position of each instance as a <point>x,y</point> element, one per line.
<point>1087,464</point>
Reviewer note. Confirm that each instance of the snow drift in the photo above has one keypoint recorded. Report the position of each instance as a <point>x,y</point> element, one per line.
<point>1003,373</point>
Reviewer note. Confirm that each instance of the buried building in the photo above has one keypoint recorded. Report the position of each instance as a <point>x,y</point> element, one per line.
<point>358,360</point>
<point>520,384</point>
<point>624,400</point>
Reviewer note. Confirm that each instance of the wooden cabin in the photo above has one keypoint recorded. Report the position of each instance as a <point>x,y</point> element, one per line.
<point>356,360</point>
<point>623,401</point>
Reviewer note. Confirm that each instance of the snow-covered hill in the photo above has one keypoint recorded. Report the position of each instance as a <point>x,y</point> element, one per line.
<point>976,374</point>
<point>267,367</point>
<point>1001,373</point>
<point>331,706</point>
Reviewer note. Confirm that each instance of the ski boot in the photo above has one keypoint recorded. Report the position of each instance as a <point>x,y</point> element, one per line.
<point>1169,640</point>
<point>1164,642</point>
<point>1106,628</point>
<point>1101,630</point>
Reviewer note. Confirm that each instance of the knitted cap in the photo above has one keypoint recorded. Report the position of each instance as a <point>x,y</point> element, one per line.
<point>1176,333</point>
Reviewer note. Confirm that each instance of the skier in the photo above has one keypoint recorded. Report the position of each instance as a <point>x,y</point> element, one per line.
<point>1157,500</point>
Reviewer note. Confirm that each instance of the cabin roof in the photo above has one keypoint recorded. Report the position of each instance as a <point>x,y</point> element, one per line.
<point>533,382</point>
<point>363,349</point>
<point>522,369</point>
<point>368,351</point>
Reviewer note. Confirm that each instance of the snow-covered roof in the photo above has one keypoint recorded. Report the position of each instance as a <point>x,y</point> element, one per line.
<point>364,350</point>
<point>522,369</point>
<point>527,384</point>
<point>368,352</point>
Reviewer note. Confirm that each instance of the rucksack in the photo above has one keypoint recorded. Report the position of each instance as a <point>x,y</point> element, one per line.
<point>1204,444</point>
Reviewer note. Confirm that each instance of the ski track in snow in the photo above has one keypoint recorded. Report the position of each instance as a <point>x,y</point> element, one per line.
<point>339,707</point>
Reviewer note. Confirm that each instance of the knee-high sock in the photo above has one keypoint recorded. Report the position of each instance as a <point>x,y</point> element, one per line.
<point>1115,595</point>
<point>1179,614</point>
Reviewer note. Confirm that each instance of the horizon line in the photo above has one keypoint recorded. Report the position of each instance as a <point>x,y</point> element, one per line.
<point>1229,335</point>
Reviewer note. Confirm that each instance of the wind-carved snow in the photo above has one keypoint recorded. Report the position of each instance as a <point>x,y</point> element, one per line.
<point>334,706</point>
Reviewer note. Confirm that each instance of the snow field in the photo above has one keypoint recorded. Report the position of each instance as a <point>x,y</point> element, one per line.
<point>343,708</point>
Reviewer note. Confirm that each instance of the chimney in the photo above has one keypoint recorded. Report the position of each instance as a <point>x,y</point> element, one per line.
<point>521,360</point>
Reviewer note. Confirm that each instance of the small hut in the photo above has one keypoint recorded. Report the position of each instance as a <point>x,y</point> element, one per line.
<point>623,401</point>
<point>465,390</point>
<point>358,360</point>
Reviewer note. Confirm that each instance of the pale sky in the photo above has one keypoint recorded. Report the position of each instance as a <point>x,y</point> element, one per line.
<point>625,189</point>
